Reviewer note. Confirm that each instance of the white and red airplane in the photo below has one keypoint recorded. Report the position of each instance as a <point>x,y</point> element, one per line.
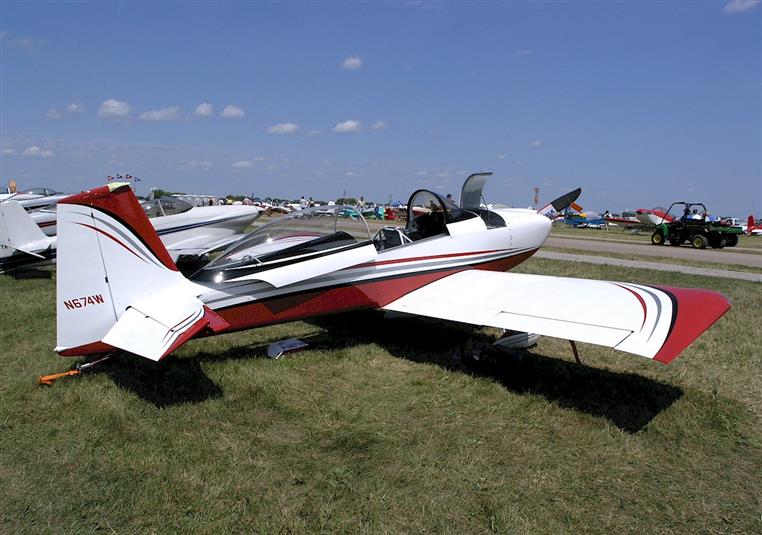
<point>752,228</point>
<point>118,288</point>
<point>653,217</point>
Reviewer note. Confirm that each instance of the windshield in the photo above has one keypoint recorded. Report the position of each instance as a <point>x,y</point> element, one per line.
<point>429,213</point>
<point>39,191</point>
<point>306,233</point>
<point>165,206</point>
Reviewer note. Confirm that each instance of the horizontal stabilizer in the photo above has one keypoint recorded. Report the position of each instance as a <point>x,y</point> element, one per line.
<point>157,325</point>
<point>655,322</point>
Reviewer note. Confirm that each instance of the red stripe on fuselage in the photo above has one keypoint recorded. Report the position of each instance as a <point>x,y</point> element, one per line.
<point>419,258</point>
<point>321,302</point>
<point>360,295</point>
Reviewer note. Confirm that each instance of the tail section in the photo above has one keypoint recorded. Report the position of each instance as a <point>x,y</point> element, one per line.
<point>552,209</point>
<point>750,225</point>
<point>18,232</point>
<point>113,270</point>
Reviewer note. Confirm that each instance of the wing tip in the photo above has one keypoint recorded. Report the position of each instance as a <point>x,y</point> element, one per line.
<point>694,311</point>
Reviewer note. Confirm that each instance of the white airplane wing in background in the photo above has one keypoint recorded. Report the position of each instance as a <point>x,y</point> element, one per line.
<point>654,322</point>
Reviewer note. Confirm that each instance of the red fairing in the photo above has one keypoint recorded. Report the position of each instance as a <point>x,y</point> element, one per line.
<point>122,205</point>
<point>696,310</point>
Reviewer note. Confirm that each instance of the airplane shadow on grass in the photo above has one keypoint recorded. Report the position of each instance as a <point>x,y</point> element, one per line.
<point>29,273</point>
<point>628,400</point>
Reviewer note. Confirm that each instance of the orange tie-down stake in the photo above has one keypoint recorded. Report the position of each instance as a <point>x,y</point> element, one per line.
<point>79,368</point>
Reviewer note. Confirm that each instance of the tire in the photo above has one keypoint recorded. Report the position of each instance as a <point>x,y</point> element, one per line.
<point>699,241</point>
<point>731,240</point>
<point>717,240</point>
<point>657,238</point>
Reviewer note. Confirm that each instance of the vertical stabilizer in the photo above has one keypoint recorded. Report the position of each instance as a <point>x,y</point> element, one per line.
<point>109,259</point>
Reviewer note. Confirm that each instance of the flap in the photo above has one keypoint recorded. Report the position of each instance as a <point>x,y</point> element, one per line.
<point>653,322</point>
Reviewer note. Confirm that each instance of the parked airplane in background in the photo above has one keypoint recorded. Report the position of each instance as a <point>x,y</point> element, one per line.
<point>653,217</point>
<point>753,228</point>
<point>34,198</point>
<point>184,229</point>
<point>117,286</point>
<point>626,219</point>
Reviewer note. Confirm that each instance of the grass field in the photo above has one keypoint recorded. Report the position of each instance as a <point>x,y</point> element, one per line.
<point>384,426</point>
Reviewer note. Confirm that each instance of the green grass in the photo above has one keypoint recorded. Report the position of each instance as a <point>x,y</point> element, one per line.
<point>382,426</point>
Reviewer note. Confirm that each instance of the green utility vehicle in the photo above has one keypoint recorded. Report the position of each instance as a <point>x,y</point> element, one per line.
<point>694,227</point>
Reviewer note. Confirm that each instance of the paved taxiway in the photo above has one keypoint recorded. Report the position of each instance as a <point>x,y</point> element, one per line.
<point>721,256</point>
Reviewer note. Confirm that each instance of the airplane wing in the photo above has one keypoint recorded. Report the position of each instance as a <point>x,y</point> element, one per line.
<point>654,322</point>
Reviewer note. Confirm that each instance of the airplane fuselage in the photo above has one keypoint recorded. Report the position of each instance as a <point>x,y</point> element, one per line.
<point>392,274</point>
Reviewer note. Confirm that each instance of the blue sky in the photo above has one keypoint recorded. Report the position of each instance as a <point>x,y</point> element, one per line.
<point>638,103</point>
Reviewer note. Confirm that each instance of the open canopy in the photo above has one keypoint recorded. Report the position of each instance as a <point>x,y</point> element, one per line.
<point>165,206</point>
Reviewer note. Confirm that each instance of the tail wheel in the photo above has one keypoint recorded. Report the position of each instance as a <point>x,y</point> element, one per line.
<point>731,240</point>
<point>699,241</point>
<point>657,238</point>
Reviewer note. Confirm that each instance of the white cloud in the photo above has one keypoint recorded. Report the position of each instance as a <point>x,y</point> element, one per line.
<point>29,44</point>
<point>34,150</point>
<point>379,125</point>
<point>165,114</point>
<point>536,143</point>
<point>283,128</point>
<point>352,63</point>
<point>739,6</point>
<point>243,164</point>
<point>313,133</point>
<point>204,109</point>
<point>422,173</point>
<point>53,113</point>
<point>203,164</point>
<point>232,112</point>
<point>76,108</point>
<point>353,173</point>
<point>9,152</point>
<point>348,126</point>
<point>114,109</point>
<point>501,156</point>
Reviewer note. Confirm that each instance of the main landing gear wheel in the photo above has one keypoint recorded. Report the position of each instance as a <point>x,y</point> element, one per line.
<point>657,238</point>
<point>699,241</point>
